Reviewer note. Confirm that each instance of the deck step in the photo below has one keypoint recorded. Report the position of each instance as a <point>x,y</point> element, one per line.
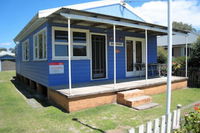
<point>136,101</point>
<point>130,93</point>
<point>145,106</point>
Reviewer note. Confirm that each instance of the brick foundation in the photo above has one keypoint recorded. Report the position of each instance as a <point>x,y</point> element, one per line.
<point>76,104</point>
<point>162,88</point>
<point>94,100</point>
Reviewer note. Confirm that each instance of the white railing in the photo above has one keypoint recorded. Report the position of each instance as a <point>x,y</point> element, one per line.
<point>159,125</point>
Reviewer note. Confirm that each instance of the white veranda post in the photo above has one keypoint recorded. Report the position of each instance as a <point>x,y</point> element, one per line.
<point>69,56</point>
<point>146,58</point>
<point>169,67</point>
<point>114,53</point>
<point>186,56</point>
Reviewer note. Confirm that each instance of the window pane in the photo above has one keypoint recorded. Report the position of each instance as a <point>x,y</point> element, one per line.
<point>61,50</point>
<point>79,50</point>
<point>45,45</point>
<point>40,46</point>
<point>79,37</point>
<point>61,36</point>
<point>129,55</point>
<point>138,52</point>
<point>36,47</point>
<point>26,54</point>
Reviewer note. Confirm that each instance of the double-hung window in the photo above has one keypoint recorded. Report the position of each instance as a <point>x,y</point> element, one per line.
<point>40,45</point>
<point>25,50</point>
<point>60,42</point>
<point>79,43</point>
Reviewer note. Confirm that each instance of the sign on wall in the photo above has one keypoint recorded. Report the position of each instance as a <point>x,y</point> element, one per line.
<point>118,44</point>
<point>56,68</point>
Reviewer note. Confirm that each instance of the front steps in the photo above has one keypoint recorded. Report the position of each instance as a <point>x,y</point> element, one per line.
<point>135,99</point>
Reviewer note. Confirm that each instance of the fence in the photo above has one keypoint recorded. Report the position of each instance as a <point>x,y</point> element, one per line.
<point>159,125</point>
<point>193,76</point>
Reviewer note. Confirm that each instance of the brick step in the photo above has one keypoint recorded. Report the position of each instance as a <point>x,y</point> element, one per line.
<point>130,94</point>
<point>136,101</point>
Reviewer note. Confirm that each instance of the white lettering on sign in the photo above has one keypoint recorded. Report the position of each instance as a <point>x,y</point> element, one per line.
<point>56,68</point>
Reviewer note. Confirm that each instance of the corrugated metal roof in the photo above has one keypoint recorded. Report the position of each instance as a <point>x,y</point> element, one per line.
<point>178,39</point>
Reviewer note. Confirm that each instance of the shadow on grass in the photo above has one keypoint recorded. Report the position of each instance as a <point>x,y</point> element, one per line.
<point>30,93</point>
<point>77,120</point>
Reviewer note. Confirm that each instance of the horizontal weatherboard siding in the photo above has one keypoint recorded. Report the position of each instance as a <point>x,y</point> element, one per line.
<point>38,71</point>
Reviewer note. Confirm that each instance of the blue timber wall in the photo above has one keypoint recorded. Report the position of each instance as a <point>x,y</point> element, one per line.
<point>34,70</point>
<point>38,71</point>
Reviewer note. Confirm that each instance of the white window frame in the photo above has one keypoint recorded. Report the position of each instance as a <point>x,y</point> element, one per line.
<point>23,50</point>
<point>87,44</point>
<point>44,48</point>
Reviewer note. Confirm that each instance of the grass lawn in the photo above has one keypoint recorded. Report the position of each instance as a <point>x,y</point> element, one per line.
<point>17,116</point>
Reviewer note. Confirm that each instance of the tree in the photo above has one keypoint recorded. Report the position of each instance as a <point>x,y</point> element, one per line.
<point>195,55</point>
<point>3,49</point>
<point>162,55</point>
<point>12,50</point>
<point>183,26</point>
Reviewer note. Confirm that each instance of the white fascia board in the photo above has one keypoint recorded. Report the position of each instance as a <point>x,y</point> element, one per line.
<point>93,4</point>
<point>47,12</point>
<point>82,6</point>
<point>113,22</point>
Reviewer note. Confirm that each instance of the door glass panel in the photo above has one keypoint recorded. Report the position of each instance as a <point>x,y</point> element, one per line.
<point>98,57</point>
<point>138,52</point>
<point>138,55</point>
<point>129,57</point>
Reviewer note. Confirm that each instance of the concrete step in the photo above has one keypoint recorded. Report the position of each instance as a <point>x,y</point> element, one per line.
<point>130,94</point>
<point>136,101</point>
<point>145,106</point>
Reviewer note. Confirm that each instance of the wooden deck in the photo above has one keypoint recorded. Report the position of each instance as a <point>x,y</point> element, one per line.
<point>107,87</point>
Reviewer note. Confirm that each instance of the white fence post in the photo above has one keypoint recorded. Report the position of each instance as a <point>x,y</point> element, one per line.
<point>141,129</point>
<point>169,123</point>
<point>156,126</point>
<point>163,124</point>
<point>174,120</point>
<point>178,116</point>
<point>160,125</point>
<point>132,130</point>
<point>149,127</point>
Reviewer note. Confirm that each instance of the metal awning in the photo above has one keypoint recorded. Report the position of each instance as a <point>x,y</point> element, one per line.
<point>80,17</point>
<point>107,21</point>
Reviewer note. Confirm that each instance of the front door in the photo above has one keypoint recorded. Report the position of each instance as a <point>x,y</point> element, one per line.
<point>98,56</point>
<point>134,54</point>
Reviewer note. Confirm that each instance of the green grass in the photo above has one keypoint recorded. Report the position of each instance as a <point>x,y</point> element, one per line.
<point>16,115</point>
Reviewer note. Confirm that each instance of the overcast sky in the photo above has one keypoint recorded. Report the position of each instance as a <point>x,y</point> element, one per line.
<point>15,14</point>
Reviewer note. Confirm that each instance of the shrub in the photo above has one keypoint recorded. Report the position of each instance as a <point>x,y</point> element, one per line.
<point>195,54</point>
<point>162,55</point>
<point>178,63</point>
<point>191,121</point>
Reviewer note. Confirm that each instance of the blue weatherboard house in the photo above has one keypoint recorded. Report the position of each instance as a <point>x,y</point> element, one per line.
<point>75,44</point>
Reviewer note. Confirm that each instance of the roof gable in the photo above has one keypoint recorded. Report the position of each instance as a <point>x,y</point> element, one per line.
<point>109,7</point>
<point>116,10</point>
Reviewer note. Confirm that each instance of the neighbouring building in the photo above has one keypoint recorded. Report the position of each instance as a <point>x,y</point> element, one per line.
<point>7,61</point>
<point>179,43</point>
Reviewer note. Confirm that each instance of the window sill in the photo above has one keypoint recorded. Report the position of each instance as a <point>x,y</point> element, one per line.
<point>72,58</point>
<point>25,60</point>
<point>40,60</point>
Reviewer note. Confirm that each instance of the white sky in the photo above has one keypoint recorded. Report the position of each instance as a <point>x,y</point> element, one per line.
<point>187,11</point>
